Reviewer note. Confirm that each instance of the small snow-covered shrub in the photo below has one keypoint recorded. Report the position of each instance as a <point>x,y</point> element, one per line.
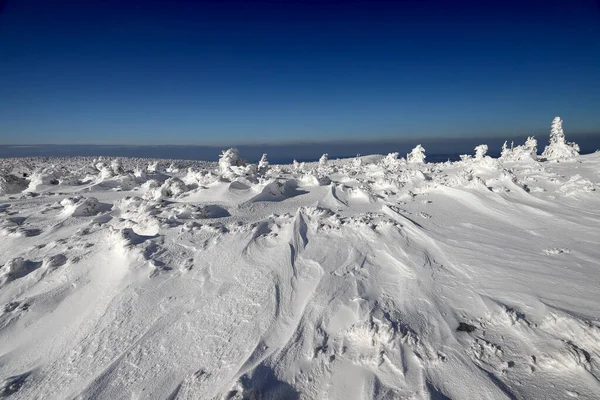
<point>199,178</point>
<point>416,156</point>
<point>172,168</point>
<point>391,162</point>
<point>526,152</point>
<point>173,187</point>
<point>152,167</point>
<point>232,166</point>
<point>41,178</point>
<point>298,168</point>
<point>481,151</point>
<point>263,165</point>
<point>323,160</point>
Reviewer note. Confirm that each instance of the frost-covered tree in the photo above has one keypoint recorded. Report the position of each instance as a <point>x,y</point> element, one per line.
<point>263,165</point>
<point>528,151</point>
<point>391,162</point>
<point>390,159</point>
<point>506,152</point>
<point>323,160</point>
<point>416,156</point>
<point>228,159</point>
<point>481,151</point>
<point>530,148</point>
<point>558,148</point>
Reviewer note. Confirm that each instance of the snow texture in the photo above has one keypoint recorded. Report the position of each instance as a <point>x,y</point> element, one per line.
<point>367,278</point>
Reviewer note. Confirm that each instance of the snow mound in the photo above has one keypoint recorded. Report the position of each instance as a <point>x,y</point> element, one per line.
<point>80,206</point>
<point>172,188</point>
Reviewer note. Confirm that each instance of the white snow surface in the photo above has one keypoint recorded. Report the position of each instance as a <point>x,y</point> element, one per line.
<point>366,278</point>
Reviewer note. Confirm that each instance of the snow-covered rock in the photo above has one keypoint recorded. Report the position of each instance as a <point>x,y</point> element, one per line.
<point>11,184</point>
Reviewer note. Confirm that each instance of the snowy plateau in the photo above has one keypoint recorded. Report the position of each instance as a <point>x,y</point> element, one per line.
<point>379,277</point>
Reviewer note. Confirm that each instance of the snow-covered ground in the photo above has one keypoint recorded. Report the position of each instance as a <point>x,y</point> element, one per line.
<point>363,278</point>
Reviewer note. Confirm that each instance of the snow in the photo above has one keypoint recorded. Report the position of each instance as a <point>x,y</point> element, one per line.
<point>370,277</point>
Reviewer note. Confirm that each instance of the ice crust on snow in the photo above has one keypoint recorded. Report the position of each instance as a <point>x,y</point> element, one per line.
<point>371,277</point>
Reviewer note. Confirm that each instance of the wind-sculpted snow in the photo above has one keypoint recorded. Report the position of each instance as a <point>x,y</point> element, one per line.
<point>373,277</point>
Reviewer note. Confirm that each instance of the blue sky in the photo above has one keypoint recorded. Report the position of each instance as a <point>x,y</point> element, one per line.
<point>221,72</point>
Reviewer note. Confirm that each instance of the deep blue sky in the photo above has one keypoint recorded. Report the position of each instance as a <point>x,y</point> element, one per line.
<point>213,72</point>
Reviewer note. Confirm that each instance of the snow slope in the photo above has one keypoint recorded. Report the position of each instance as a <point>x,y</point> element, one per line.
<point>345,279</point>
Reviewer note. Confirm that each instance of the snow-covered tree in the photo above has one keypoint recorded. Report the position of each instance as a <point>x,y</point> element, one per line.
<point>416,156</point>
<point>263,165</point>
<point>390,159</point>
<point>323,160</point>
<point>506,152</point>
<point>229,158</point>
<point>558,148</point>
<point>481,151</point>
<point>531,147</point>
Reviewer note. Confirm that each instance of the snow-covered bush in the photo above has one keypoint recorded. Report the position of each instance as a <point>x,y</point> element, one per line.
<point>104,170</point>
<point>390,159</point>
<point>391,162</point>
<point>173,187</point>
<point>140,175</point>
<point>172,168</point>
<point>416,156</point>
<point>232,166</point>
<point>528,151</point>
<point>44,177</point>
<point>481,151</point>
<point>558,147</point>
<point>263,165</point>
<point>323,160</point>
<point>298,168</point>
<point>506,152</point>
<point>116,167</point>
<point>324,168</point>
<point>199,178</point>
<point>152,167</point>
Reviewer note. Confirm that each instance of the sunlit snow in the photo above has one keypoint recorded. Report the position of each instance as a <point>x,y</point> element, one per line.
<point>375,277</point>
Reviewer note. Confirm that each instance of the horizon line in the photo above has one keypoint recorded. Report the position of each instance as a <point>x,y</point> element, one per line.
<point>297,142</point>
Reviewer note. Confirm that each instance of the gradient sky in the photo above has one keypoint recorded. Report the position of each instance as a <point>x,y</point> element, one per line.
<point>224,71</point>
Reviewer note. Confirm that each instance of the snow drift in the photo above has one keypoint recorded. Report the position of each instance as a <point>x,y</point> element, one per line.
<point>374,277</point>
